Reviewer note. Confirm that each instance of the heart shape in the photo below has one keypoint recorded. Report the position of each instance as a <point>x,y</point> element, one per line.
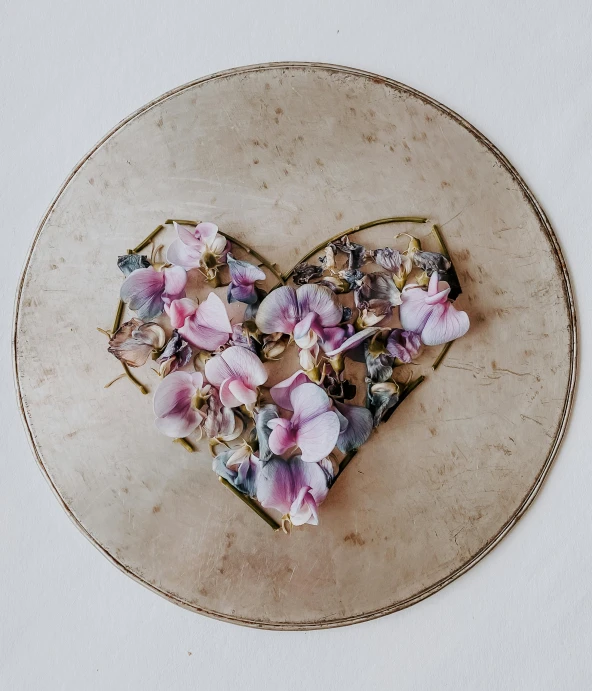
<point>226,399</point>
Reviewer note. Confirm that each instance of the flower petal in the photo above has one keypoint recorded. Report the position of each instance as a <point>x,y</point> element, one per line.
<point>308,402</point>
<point>183,255</point>
<point>309,475</point>
<point>302,330</point>
<point>414,312</point>
<point>278,311</point>
<point>209,328</point>
<point>358,429</point>
<point>238,363</point>
<point>281,392</point>
<point>242,392</point>
<point>354,340</point>
<point>228,399</point>
<point>173,394</point>
<point>317,436</point>
<point>142,290</point>
<point>282,436</point>
<point>320,300</point>
<point>304,508</point>
<point>243,273</point>
<point>265,414</point>
<point>444,324</point>
<point>275,486</point>
<point>212,314</point>
<point>175,280</point>
<point>179,310</point>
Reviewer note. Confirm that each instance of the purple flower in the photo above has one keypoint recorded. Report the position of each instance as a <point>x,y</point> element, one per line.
<point>431,314</point>
<point>238,373</point>
<point>176,354</point>
<point>205,326</point>
<point>134,342</point>
<point>148,291</point>
<point>294,488</point>
<point>357,428</point>
<point>304,312</point>
<point>314,427</point>
<point>242,281</point>
<point>240,467</point>
<point>220,422</point>
<point>403,345</point>
<point>180,403</point>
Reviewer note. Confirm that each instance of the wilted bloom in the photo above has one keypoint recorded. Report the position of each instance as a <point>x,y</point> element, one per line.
<point>205,326</point>
<point>176,354</point>
<point>403,345</point>
<point>129,263</point>
<point>200,247</point>
<point>327,260</point>
<point>337,388</point>
<point>180,403</point>
<point>274,345</point>
<point>399,264</point>
<point>134,342</point>
<point>264,414</point>
<point>379,362</point>
<point>294,488</point>
<point>358,427</point>
<point>382,397</point>
<point>242,281</point>
<point>431,314</point>
<point>377,293</point>
<point>147,291</point>
<point>305,273</point>
<point>304,312</point>
<point>221,423</point>
<point>313,427</point>
<point>238,373</point>
<point>240,467</point>
<point>356,253</point>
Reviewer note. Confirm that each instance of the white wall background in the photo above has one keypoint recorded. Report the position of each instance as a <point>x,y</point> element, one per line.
<point>519,71</point>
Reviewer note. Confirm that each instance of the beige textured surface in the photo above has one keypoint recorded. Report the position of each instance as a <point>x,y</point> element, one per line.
<point>282,157</point>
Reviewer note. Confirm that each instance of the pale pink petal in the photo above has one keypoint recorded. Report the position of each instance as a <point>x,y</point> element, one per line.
<point>320,300</point>
<point>179,425</point>
<point>188,236</point>
<point>175,280</point>
<point>275,487</point>
<point>354,340</point>
<point>173,394</point>
<point>302,328</point>
<point>217,369</point>
<point>308,401</point>
<point>183,255</point>
<point>244,365</point>
<point>309,475</point>
<point>304,508</point>
<point>281,392</point>
<point>444,324</point>
<point>202,337</point>
<point>197,380</point>
<point>212,314</point>
<point>179,310</point>
<point>282,437</point>
<point>441,296</point>
<point>317,436</point>
<point>228,399</point>
<point>414,312</point>
<point>242,392</point>
<point>243,273</point>
<point>278,311</point>
<point>206,232</point>
<point>433,284</point>
<point>334,336</point>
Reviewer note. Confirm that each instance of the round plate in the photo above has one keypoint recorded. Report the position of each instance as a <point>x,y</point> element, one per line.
<point>282,156</point>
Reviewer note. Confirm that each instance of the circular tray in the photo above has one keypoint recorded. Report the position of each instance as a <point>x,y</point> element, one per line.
<point>282,156</point>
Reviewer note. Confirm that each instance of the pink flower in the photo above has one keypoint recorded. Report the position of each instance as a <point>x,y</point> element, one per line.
<point>242,281</point>
<point>304,312</point>
<point>294,488</point>
<point>237,372</point>
<point>281,392</point>
<point>221,423</point>
<point>404,345</point>
<point>205,326</point>
<point>148,291</point>
<point>431,314</point>
<point>180,403</point>
<point>353,341</point>
<point>314,427</point>
<point>199,247</point>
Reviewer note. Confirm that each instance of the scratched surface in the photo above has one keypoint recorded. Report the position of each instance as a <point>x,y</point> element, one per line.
<point>282,157</point>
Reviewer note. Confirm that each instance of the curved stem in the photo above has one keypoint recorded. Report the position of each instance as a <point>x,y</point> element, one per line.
<point>251,504</point>
<point>118,313</point>
<point>353,231</point>
<point>147,240</point>
<point>131,377</point>
<point>442,355</point>
<point>249,250</point>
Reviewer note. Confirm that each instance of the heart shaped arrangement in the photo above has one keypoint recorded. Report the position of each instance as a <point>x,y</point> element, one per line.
<point>284,446</point>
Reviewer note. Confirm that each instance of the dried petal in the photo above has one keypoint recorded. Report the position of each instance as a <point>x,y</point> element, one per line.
<point>135,341</point>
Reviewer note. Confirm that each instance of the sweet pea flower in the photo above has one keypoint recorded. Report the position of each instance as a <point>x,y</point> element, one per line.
<point>200,247</point>
<point>240,467</point>
<point>431,314</point>
<point>205,326</point>
<point>281,392</point>
<point>264,414</point>
<point>134,342</point>
<point>305,312</point>
<point>314,427</point>
<point>403,345</point>
<point>295,488</point>
<point>148,291</point>
<point>237,372</point>
<point>176,354</point>
<point>243,276</point>
<point>357,428</point>
<point>180,403</point>
<point>220,423</point>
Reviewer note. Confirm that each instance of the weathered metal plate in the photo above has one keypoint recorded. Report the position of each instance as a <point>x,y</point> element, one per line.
<point>281,156</point>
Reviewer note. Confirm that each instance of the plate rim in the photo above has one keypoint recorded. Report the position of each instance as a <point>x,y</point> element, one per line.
<point>567,405</point>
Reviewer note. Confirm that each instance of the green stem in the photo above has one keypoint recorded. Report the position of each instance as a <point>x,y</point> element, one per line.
<point>118,313</point>
<point>185,444</point>
<point>353,231</point>
<point>251,504</point>
<point>442,355</point>
<point>238,243</point>
<point>131,377</point>
<point>410,387</point>
<point>147,240</point>
<point>441,241</point>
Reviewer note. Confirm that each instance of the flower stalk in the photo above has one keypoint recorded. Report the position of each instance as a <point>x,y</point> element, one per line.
<point>185,444</point>
<point>251,504</point>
